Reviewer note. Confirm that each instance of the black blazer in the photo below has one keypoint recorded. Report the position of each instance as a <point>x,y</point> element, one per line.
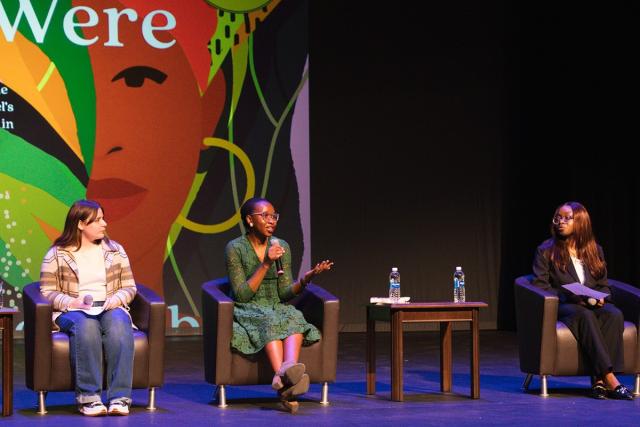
<point>549,277</point>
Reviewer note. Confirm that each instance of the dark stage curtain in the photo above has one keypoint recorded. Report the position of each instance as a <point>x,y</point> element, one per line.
<point>447,136</point>
<point>573,91</point>
<point>406,147</point>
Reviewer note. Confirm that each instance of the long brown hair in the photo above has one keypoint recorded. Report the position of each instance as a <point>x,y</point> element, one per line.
<point>81,210</point>
<point>583,239</point>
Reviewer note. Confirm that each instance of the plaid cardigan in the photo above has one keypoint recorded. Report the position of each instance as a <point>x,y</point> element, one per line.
<point>59,276</point>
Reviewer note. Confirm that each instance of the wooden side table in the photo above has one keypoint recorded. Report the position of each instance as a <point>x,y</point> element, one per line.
<point>445,313</point>
<point>6,324</point>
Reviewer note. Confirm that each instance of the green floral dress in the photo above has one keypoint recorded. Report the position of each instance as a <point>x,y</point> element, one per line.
<point>261,317</point>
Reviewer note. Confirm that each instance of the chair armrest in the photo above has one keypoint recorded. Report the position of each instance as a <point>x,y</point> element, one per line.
<point>627,299</point>
<point>147,309</point>
<point>217,329</point>
<point>322,309</point>
<point>316,304</point>
<point>536,315</point>
<point>37,337</point>
<point>148,312</point>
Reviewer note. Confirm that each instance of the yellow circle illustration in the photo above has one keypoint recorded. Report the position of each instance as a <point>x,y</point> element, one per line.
<point>251,187</point>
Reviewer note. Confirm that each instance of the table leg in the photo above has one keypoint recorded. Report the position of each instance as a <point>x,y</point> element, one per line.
<point>475,355</point>
<point>445,356</point>
<point>7,366</point>
<point>371,354</point>
<point>396,356</point>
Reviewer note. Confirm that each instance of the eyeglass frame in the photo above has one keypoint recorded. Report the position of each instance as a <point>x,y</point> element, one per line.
<point>557,220</point>
<point>274,216</point>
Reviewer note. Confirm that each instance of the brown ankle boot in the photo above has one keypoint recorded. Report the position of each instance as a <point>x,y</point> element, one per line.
<point>291,372</point>
<point>301,387</point>
<point>290,406</point>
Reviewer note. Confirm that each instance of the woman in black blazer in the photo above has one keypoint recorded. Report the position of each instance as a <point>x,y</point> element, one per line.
<point>571,255</point>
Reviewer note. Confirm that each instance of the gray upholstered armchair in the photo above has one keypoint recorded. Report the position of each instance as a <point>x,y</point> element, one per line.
<point>223,367</point>
<point>47,364</point>
<point>547,346</point>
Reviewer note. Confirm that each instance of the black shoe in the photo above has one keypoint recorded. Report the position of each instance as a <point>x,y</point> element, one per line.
<point>598,391</point>
<point>621,393</point>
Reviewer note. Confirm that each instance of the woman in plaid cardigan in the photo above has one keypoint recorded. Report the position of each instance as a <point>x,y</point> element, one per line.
<point>88,280</point>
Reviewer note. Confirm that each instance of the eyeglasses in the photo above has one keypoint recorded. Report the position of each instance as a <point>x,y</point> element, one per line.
<point>558,219</point>
<point>266,216</point>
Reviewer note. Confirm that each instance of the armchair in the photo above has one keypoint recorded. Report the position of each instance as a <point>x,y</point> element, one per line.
<point>47,363</point>
<point>547,346</point>
<point>223,367</point>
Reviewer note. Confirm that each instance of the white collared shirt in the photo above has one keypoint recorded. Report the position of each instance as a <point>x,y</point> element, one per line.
<point>577,264</point>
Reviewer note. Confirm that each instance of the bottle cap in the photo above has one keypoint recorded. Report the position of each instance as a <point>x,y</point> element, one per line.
<point>458,268</point>
<point>394,268</point>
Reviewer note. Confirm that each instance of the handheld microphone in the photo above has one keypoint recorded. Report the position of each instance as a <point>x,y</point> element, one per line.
<point>88,300</point>
<point>279,269</point>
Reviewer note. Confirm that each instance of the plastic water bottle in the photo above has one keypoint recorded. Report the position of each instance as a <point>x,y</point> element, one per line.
<point>458,285</point>
<point>394,285</point>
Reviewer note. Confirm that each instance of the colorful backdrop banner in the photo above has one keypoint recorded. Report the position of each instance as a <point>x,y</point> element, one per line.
<point>170,113</point>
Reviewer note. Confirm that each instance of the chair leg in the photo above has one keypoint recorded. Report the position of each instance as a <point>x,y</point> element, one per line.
<point>152,399</point>
<point>527,382</point>
<point>221,393</point>
<point>636,388</point>
<point>42,407</point>
<point>543,386</point>
<point>325,394</point>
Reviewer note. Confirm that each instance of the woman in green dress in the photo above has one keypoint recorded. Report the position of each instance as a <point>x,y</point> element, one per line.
<point>259,269</point>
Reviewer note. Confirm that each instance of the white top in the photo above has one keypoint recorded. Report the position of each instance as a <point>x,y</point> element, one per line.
<point>577,264</point>
<point>92,275</point>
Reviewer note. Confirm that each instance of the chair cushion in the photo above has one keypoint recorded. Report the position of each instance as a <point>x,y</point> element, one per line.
<point>61,378</point>
<point>257,370</point>
<point>568,351</point>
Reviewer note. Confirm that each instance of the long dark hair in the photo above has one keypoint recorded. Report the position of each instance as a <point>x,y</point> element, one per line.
<point>81,210</point>
<point>249,207</point>
<point>583,239</point>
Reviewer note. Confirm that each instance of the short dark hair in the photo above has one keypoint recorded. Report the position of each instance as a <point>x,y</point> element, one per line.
<point>249,207</point>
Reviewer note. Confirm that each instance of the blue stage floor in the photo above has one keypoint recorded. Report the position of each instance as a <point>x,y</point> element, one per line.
<point>186,399</point>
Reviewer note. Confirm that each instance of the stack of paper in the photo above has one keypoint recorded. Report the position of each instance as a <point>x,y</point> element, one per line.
<point>582,290</point>
<point>377,300</point>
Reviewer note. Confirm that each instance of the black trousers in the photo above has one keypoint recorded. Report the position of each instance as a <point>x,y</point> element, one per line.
<point>599,334</point>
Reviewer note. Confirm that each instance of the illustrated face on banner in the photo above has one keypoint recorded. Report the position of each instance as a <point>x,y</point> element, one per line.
<point>150,123</point>
<point>169,113</point>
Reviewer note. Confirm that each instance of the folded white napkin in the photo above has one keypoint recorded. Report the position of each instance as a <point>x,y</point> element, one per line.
<point>377,300</point>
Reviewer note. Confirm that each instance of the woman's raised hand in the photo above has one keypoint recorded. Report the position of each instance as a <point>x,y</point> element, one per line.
<point>322,266</point>
<point>319,268</point>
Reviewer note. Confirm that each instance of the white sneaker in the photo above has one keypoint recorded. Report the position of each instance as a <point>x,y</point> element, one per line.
<point>118,407</point>
<point>93,409</point>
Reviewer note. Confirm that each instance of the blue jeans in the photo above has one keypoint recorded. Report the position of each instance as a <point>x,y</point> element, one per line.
<point>88,335</point>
